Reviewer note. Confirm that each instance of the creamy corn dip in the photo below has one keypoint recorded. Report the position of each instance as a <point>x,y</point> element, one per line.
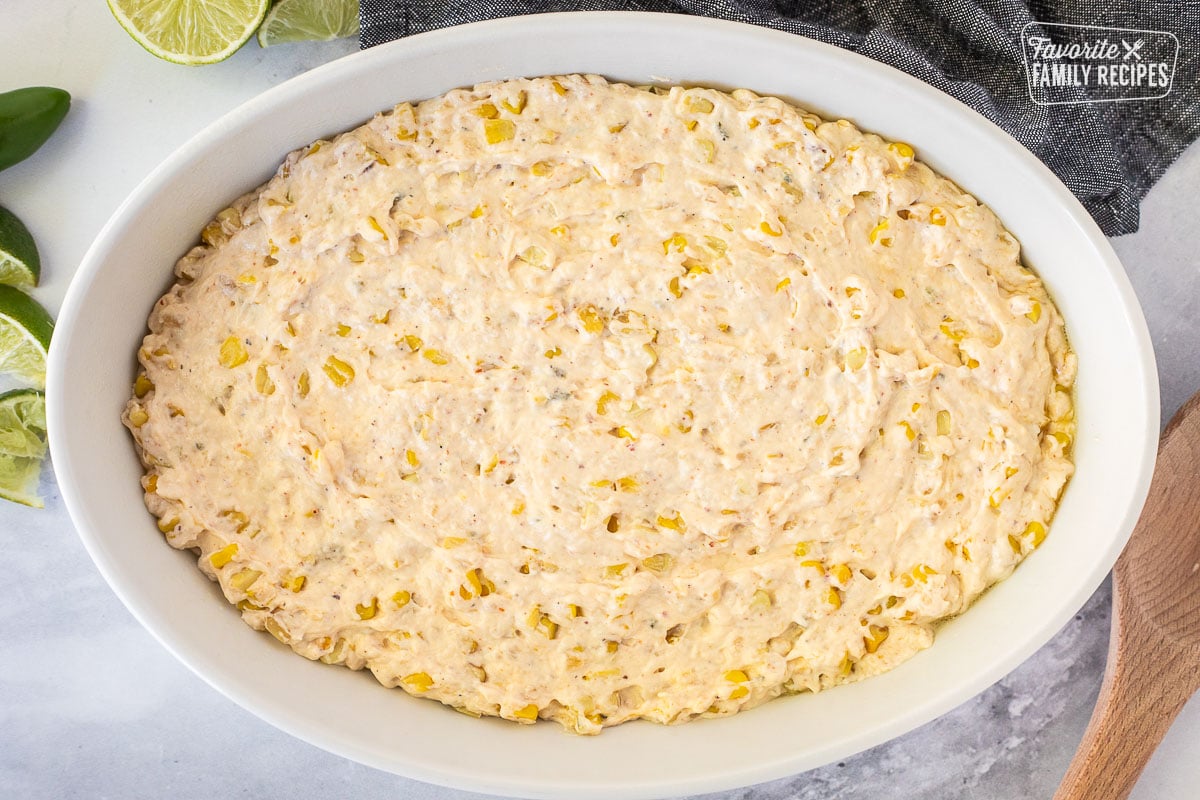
<point>568,400</point>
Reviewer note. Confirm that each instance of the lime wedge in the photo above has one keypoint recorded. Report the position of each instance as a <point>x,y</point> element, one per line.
<point>22,445</point>
<point>190,32</point>
<point>19,262</point>
<point>308,20</point>
<point>25,330</point>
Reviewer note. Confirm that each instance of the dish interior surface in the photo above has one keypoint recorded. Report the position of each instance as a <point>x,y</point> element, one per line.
<point>91,368</point>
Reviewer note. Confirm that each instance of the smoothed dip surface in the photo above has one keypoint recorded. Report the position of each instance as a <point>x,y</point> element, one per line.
<point>568,400</point>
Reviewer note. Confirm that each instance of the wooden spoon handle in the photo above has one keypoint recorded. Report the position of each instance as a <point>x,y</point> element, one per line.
<point>1138,701</point>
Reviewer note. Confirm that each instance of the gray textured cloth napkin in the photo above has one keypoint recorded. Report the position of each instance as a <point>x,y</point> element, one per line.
<point>1106,145</point>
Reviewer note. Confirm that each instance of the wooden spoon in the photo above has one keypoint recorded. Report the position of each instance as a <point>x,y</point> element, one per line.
<point>1154,649</point>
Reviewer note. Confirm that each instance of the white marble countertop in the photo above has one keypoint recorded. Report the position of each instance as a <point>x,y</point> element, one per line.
<point>92,707</point>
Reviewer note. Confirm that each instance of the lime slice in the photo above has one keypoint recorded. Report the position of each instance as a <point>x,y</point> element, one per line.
<point>25,330</point>
<point>19,262</point>
<point>22,445</point>
<point>190,32</point>
<point>309,20</point>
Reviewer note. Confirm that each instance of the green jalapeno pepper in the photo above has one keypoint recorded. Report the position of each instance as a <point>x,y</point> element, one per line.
<point>27,118</point>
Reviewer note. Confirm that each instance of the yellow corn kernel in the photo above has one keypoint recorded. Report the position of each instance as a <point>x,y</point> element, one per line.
<point>547,627</point>
<point>223,556</point>
<point>233,353</point>
<point>674,523</point>
<point>1015,544</point>
<point>262,381</point>
<point>368,611</point>
<point>604,400</point>
<point>674,287</point>
<point>1035,313</point>
<point>937,216</point>
<point>856,358</point>
<point>898,293</point>
<point>909,433</point>
<point>168,525</point>
<point>402,598</point>
<point>943,423</point>
<point>841,573</point>
<point>709,148</point>
<point>678,241</point>
<point>138,418</point>
<point>142,385</point>
<point>417,682</point>
<point>558,87</point>
<point>436,357</point>
<point>846,666</point>
<point>615,570</point>
<point>239,519</point>
<point>542,169</point>
<point>517,105</point>
<point>338,371</point>
<point>529,712</point>
<point>487,111</point>
<point>620,126</point>
<point>783,284</point>
<point>880,227</point>
<point>819,566</point>
<point>414,342</point>
<point>695,266</point>
<point>518,509</point>
<point>498,130</point>
<point>451,542</point>
<point>901,149</point>
<point>761,599</point>
<point>766,228</point>
<point>1036,533</point>
<point>833,597</point>
<point>295,584</point>
<point>244,579</point>
<point>876,634</point>
<point>659,562</point>
<point>736,676</point>
<point>246,605</point>
<point>591,319</point>
<point>621,432</point>
<point>802,549</point>
<point>302,384</point>
<point>614,239</point>
<point>152,485</point>
<point>342,330</point>
<point>574,611</point>
<point>611,646</point>
<point>627,484</point>
<point>699,105</point>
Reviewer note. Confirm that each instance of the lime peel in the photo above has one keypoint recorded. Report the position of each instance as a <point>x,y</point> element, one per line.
<point>19,261</point>
<point>190,32</point>
<point>25,330</point>
<point>308,21</point>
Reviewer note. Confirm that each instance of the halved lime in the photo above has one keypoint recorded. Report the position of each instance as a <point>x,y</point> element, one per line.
<point>19,262</point>
<point>190,32</point>
<point>308,20</point>
<point>22,445</point>
<point>25,330</point>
